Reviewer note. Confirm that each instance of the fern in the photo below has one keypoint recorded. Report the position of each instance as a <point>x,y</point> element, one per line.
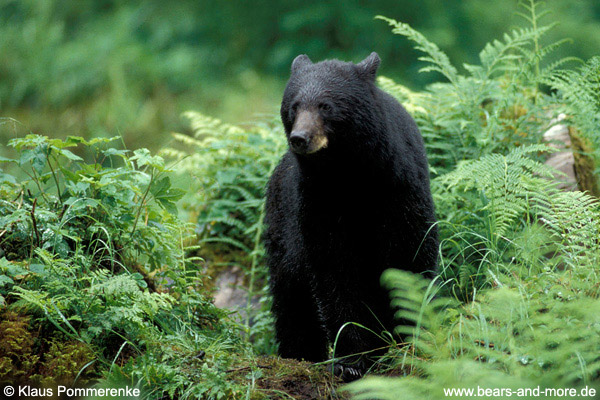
<point>420,312</point>
<point>501,57</point>
<point>491,108</point>
<point>504,195</point>
<point>232,166</point>
<point>572,218</point>
<point>505,184</point>
<point>522,253</point>
<point>437,59</point>
<point>518,336</point>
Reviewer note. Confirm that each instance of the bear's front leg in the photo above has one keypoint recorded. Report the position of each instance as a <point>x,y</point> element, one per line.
<point>300,331</point>
<point>355,347</point>
<point>352,352</point>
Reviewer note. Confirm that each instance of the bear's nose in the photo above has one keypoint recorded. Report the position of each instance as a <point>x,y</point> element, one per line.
<point>299,141</point>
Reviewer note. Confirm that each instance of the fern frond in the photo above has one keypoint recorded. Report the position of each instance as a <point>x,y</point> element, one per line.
<point>418,309</point>
<point>409,99</point>
<point>437,59</point>
<point>203,124</point>
<point>505,183</point>
<point>503,56</point>
<point>227,240</point>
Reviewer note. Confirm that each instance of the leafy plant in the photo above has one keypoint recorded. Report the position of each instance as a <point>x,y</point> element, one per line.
<point>95,255</point>
<point>528,333</point>
<point>519,279</point>
<point>491,108</point>
<point>231,167</point>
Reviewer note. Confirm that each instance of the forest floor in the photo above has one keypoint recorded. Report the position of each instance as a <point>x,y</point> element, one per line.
<point>286,378</point>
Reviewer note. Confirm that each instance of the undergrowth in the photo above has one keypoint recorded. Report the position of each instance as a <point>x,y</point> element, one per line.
<point>515,305</point>
<point>230,166</point>
<point>95,283</point>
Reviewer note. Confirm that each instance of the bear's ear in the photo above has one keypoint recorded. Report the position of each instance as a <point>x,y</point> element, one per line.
<point>300,61</point>
<point>368,66</point>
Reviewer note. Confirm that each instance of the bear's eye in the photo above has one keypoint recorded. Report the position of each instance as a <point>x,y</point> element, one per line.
<point>293,110</point>
<point>325,108</point>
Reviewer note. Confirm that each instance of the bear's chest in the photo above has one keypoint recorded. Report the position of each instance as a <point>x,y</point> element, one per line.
<point>347,228</point>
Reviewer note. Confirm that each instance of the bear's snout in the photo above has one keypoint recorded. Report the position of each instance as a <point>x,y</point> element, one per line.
<point>308,135</point>
<point>299,141</point>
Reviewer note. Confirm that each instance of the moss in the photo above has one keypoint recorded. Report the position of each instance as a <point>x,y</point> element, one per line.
<point>20,361</point>
<point>585,165</point>
<point>286,378</point>
<point>17,361</point>
<point>65,361</point>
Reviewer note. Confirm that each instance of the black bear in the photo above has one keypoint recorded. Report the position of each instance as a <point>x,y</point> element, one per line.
<point>349,199</point>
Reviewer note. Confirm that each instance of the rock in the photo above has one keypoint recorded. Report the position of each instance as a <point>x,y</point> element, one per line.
<point>574,161</point>
<point>231,292</point>
<point>228,293</point>
<point>558,137</point>
<point>564,162</point>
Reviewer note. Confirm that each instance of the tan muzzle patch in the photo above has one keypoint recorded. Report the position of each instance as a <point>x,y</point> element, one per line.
<point>308,133</point>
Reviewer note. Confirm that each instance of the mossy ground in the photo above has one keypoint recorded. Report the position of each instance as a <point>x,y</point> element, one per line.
<point>290,379</point>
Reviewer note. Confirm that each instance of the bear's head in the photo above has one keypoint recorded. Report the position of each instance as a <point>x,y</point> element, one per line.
<point>323,101</point>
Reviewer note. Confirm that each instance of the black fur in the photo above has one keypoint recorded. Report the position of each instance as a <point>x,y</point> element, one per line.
<point>337,218</point>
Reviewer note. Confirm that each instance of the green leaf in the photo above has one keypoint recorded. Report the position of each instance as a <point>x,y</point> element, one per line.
<point>115,152</point>
<point>139,279</point>
<point>37,268</point>
<point>172,194</point>
<point>160,186</point>
<point>36,157</point>
<point>165,195</point>
<point>69,155</point>
<point>102,140</point>
<point>5,280</point>
<point>15,270</point>
<point>169,206</point>
<point>7,178</point>
<point>143,158</point>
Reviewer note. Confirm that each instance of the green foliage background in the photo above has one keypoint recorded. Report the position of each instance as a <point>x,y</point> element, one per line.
<point>106,262</point>
<point>98,68</point>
